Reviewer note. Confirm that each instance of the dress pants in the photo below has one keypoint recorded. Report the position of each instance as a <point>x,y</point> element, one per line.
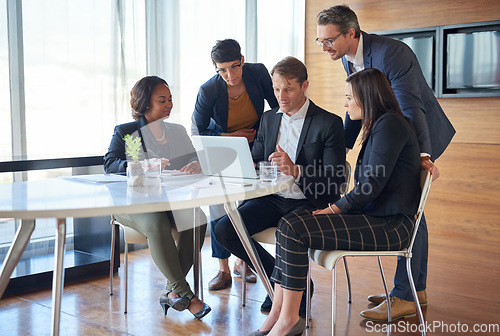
<point>258,214</point>
<point>300,231</point>
<point>419,259</point>
<point>218,251</point>
<point>173,260</point>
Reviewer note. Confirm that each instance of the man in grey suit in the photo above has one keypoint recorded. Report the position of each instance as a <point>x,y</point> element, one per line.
<point>339,34</point>
<point>304,141</point>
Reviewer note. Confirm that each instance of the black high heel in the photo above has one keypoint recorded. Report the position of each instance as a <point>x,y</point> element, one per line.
<point>203,311</point>
<point>179,303</point>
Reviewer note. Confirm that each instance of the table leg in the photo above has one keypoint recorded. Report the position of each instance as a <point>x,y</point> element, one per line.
<point>198,283</point>
<point>241,230</point>
<point>15,252</point>
<point>58,275</point>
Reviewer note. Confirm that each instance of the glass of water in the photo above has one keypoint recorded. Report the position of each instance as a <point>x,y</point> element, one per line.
<point>268,171</point>
<point>152,171</point>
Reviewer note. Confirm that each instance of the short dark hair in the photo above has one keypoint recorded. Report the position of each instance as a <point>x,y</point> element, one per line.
<point>226,51</point>
<point>140,95</point>
<point>290,68</point>
<point>373,92</point>
<point>340,15</point>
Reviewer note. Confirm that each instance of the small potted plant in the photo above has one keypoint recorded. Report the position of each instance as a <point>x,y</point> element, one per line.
<point>134,167</point>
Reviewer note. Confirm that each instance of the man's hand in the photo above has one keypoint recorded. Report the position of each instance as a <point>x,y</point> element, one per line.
<point>426,164</point>
<point>248,133</point>
<point>284,163</point>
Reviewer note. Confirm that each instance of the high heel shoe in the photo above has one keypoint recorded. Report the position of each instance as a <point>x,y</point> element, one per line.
<point>179,303</point>
<point>259,333</point>
<point>203,311</point>
<point>297,329</point>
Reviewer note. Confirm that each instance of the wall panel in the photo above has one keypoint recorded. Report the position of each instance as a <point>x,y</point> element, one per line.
<point>464,201</point>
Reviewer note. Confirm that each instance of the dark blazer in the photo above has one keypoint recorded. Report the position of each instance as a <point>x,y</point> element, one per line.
<point>211,108</point>
<point>387,175</point>
<point>417,101</point>
<point>320,152</point>
<point>178,149</point>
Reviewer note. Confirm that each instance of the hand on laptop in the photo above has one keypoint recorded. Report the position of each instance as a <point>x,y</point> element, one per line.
<point>284,163</point>
<point>192,168</point>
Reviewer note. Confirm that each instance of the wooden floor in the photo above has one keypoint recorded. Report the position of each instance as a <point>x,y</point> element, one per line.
<point>463,289</point>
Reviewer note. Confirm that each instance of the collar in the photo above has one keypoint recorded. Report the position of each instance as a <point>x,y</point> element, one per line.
<point>301,113</point>
<point>358,59</point>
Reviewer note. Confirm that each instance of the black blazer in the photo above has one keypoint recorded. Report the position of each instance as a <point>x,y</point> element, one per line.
<point>178,149</point>
<point>320,152</point>
<point>387,175</point>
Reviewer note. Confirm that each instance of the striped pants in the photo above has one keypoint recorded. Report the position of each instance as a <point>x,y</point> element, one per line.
<point>299,231</point>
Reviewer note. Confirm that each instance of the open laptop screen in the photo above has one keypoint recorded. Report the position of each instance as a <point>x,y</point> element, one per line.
<point>227,156</point>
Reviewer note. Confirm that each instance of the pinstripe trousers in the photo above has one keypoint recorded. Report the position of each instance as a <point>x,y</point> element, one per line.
<point>299,231</point>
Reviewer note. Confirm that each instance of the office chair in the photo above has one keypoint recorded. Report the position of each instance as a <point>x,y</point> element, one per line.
<point>329,259</point>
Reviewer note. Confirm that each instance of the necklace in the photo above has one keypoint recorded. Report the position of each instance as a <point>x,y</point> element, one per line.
<point>162,136</point>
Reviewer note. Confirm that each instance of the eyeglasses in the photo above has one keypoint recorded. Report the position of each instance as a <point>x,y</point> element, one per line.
<point>231,68</point>
<point>329,42</point>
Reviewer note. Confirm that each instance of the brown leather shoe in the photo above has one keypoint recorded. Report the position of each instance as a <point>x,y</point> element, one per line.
<point>249,276</point>
<point>220,281</point>
<point>399,309</point>
<point>379,298</point>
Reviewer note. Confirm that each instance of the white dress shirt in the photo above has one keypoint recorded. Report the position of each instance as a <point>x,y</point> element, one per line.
<point>357,61</point>
<point>288,139</point>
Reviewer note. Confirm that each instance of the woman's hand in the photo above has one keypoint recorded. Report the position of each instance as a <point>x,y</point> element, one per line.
<point>164,163</point>
<point>325,211</point>
<point>192,168</point>
<point>248,133</point>
<point>331,209</point>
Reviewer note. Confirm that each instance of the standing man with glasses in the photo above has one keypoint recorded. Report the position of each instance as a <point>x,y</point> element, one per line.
<point>339,35</point>
<point>231,103</point>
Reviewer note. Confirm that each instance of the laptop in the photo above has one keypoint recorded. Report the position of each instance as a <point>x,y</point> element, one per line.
<point>226,156</point>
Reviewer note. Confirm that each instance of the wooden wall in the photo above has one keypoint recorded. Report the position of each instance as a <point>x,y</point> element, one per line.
<point>464,201</point>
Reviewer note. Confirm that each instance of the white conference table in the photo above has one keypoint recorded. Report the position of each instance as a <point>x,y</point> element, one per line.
<point>88,196</point>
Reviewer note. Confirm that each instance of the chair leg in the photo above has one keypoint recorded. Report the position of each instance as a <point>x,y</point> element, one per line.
<point>200,276</point>
<point>244,285</point>
<point>308,295</point>
<point>198,286</point>
<point>334,298</point>
<point>388,299</point>
<point>349,294</point>
<point>126,277</point>
<point>112,260</point>
<point>415,297</point>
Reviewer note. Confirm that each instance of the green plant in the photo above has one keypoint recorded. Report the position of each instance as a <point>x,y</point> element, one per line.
<point>132,147</point>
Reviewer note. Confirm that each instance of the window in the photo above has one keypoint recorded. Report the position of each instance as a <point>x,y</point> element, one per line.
<point>82,57</point>
<point>78,66</point>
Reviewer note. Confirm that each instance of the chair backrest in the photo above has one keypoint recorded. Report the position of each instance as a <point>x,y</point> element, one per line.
<point>345,187</point>
<point>425,185</point>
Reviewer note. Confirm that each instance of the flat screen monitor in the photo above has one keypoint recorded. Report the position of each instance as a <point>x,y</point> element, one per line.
<point>473,60</point>
<point>423,47</point>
